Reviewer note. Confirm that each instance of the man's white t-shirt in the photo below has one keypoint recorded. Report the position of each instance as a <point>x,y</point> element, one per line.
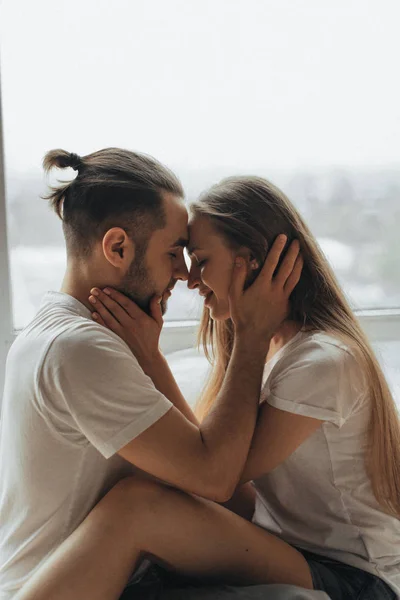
<point>320,498</point>
<point>74,396</point>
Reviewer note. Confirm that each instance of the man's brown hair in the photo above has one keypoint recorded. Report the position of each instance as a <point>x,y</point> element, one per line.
<point>113,188</point>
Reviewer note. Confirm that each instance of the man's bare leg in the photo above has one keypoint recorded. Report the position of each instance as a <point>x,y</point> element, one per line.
<point>190,535</point>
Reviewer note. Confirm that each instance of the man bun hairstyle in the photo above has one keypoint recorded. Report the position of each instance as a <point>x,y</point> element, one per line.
<point>62,160</point>
<point>113,188</point>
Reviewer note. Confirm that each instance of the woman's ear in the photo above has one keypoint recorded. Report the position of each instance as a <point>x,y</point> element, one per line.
<point>253,262</point>
<point>254,265</point>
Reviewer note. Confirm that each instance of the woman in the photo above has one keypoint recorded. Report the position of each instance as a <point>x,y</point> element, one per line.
<point>339,493</point>
<point>325,459</point>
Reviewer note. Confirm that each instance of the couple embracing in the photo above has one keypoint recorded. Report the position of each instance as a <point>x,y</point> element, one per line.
<point>287,473</point>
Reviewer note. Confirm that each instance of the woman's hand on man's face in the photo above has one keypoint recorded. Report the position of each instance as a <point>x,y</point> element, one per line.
<point>260,310</point>
<point>121,315</point>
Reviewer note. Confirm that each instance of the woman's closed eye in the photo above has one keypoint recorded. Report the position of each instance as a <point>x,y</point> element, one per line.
<point>197,263</point>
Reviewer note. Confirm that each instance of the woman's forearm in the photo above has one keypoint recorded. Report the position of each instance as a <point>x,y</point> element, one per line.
<point>160,373</point>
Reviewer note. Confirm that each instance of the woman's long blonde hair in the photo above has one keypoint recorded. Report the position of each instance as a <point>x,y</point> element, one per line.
<point>251,212</point>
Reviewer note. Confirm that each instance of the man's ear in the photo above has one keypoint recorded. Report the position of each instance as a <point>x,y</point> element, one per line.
<point>118,248</point>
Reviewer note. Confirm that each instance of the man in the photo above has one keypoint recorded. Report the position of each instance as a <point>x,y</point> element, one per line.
<point>79,411</point>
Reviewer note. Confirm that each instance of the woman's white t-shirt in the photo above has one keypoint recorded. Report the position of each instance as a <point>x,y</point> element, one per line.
<point>320,499</point>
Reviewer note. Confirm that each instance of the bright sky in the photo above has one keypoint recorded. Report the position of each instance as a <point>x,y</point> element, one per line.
<point>203,83</point>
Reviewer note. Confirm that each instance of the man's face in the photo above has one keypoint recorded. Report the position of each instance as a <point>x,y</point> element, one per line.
<point>163,263</point>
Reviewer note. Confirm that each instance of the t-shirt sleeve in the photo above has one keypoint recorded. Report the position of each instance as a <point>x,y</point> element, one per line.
<point>91,384</point>
<point>318,380</point>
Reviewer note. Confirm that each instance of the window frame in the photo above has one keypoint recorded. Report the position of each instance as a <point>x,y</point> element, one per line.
<point>6,321</point>
<point>381,325</point>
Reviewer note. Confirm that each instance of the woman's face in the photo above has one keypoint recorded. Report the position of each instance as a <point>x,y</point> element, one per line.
<point>212,263</point>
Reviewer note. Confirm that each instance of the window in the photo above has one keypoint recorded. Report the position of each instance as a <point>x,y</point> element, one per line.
<point>305,94</point>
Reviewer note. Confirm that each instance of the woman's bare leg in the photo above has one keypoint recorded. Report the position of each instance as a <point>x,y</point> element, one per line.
<point>190,535</point>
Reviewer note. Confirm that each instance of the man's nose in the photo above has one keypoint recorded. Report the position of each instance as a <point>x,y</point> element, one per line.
<point>181,271</point>
<point>194,278</point>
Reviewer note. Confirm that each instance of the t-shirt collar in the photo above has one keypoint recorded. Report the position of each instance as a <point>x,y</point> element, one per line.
<point>67,301</point>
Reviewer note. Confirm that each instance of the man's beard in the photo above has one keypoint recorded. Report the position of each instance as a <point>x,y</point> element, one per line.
<point>139,287</point>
